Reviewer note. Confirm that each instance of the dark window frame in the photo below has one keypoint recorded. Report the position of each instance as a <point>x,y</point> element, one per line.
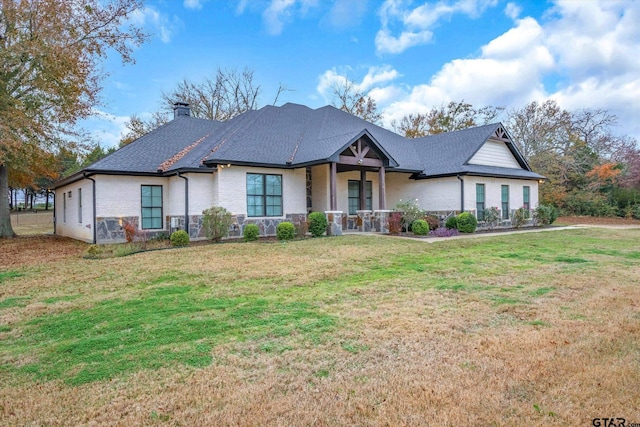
<point>157,211</point>
<point>265,198</point>
<point>526,197</point>
<point>480,205</point>
<point>504,202</point>
<point>355,200</point>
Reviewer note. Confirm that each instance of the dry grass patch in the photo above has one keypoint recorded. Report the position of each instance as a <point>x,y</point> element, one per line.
<point>541,327</point>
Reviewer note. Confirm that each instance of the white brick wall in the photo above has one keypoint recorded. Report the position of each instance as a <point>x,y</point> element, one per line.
<point>232,188</point>
<point>72,226</point>
<point>493,192</point>
<point>320,188</point>
<point>438,194</point>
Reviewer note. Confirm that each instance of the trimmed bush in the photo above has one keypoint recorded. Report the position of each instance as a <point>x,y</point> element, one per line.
<point>491,217</point>
<point>179,238</point>
<point>433,221</point>
<point>317,224</point>
<point>545,215</point>
<point>420,227</point>
<point>452,222</point>
<point>520,217</point>
<point>251,232</point>
<point>466,222</point>
<point>285,231</point>
<point>216,222</point>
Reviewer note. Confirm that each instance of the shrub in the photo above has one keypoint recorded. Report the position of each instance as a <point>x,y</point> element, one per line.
<point>285,231</point>
<point>317,224</point>
<point>179,238</point>
<point>129,231</point>
<point>301,229</point>
<point>420,227</point>
<point>410,212</point>
<point>216,222</point>
<point>251,232</point>
<point>466,222</point>
<point>491,217</point>
<point>433,221</point>
<point>545,215</point>
<point>394,222</point>
<point>451,223</point>
<point>635,211</point>
<point>93,251</point>
<point>520,217</point>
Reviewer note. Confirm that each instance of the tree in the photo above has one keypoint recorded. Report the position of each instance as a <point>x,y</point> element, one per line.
<point>226,95</point>
<point>50,75</point>
<point>446,118</point>
<point>350,98</point>
<point>412,125</point>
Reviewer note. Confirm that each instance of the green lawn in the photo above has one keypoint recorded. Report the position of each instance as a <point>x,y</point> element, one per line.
<point>333,316</point>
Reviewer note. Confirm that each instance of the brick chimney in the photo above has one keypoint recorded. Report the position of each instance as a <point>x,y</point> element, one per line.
<point>181,109</point>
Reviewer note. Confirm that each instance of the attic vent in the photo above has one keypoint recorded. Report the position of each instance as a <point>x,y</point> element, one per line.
<point>181,109</point>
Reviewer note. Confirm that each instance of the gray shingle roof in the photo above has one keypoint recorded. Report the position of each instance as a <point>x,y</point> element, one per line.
<point>295,135</point>
<point>148,153</point>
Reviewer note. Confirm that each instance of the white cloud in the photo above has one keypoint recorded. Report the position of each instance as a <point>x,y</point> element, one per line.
<point>193,4</point>
<point>512,10</point>
<point>158,23</point>
<point>375,75</point>
<point>275,14</point>
<point>108,129</point>
<point>346,13</point>
<point>416,24</point>
<point>587,53</point>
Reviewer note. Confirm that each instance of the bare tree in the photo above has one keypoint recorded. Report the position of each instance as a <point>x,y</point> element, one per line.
<point>226,95</point>
<point>348,97</point>
<point>446,118</point>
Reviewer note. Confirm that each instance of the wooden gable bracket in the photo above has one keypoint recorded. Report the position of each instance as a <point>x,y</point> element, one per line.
<point>501,134</point>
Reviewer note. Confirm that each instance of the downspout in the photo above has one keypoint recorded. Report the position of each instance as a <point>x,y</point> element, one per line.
<point>186,202</point>
<point>93,190</point>
<point>461,193</point>
<point>54,212</point>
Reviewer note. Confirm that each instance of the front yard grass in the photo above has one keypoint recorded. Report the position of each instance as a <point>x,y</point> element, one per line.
<point>355,330</point>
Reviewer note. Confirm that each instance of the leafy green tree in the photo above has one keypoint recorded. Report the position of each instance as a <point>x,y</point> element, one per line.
<point>50,75</point>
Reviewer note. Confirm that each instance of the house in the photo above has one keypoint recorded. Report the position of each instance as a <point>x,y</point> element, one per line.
<point>280,163</point>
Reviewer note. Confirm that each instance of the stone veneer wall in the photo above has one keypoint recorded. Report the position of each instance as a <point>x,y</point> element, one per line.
<point>335,221</point>
<point>110,230</point>
<point>367,221</point>
<point>266,225</point>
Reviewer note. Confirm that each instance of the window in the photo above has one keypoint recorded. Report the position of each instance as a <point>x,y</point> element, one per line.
<point>354,196</point>
<point>80,205</point>
<point>480,202</point>
<point>151,206</point>
<point>505,202</point>
<point>525,197</point>
<point>264,195</point>
<point>64,207</point>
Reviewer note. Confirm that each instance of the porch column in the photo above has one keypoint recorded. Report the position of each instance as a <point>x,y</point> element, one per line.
<point>333,187</point>
<point>363,192</point>
<point>382,189</point>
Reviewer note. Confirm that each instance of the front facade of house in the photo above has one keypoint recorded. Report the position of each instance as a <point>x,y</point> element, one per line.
<point>280,163</point>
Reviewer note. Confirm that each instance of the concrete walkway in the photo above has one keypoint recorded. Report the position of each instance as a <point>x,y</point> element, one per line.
<point>494,233</point>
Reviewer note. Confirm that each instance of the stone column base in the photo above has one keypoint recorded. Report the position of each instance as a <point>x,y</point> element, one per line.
<point>334,218</point>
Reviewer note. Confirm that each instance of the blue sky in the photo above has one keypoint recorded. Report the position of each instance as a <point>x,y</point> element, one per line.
<point>409,55</point>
